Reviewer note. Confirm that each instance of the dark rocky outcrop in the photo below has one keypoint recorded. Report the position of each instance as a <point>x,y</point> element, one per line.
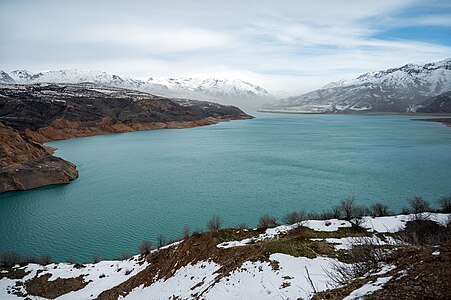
<point>437,104</point>
<point>38,113</point>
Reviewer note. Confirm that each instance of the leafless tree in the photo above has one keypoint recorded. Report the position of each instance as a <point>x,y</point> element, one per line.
<point>267,221</point>
<point>96,258</point>
<point>214,223</point>
<point>160,241</point>
<point>365,255</point>
<point>45,259</point>
<point>419,207</point>
<point>445,204</point>
<point>145,247</point>
<point>347,206</point>
<point>186,231</point>
<point>379,210</point>
<point>295,217</point>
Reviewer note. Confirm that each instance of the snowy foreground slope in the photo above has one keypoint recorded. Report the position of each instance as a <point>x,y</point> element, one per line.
<point>393,90</point>
<point>218,276</point>
<point>234,92</point>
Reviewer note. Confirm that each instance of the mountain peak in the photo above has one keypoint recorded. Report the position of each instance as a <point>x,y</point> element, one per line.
<point>393,90</point>
<point>404,71</point>
<point>226,91</point>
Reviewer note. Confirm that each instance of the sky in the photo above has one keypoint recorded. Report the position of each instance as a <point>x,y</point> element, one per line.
<point>287,47</point>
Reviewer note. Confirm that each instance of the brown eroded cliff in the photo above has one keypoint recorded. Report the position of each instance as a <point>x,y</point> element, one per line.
<point>25,164</point>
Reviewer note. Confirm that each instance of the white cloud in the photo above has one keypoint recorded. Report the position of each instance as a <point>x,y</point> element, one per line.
<point>291,46</point>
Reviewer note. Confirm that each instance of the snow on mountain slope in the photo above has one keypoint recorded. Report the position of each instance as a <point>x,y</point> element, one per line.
<point>392,90</point>
<point>233,92</point>
<point>213,86</point>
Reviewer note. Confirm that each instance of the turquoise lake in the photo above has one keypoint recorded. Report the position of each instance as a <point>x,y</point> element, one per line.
<point>134,186</point>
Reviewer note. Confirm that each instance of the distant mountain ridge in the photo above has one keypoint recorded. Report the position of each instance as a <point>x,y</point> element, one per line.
<point>392,90</point>
<point>233,92</point>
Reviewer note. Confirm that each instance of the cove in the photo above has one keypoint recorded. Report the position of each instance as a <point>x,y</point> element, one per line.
<point>138,185</point>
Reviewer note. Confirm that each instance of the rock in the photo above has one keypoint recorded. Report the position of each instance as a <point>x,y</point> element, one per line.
<point>26,165</point>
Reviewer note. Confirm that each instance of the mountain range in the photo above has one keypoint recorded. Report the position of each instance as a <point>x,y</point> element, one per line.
<point>403,89</point>
<point>226,91</point>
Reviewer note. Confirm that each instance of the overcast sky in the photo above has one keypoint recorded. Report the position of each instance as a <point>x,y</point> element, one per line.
<point>281,45</point>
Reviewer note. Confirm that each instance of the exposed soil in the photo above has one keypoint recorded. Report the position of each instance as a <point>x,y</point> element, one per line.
<point>43,287</point>
<point>427,276</point>
<point>13,273</point>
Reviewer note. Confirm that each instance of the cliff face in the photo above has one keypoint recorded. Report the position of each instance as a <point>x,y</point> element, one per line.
<point>47,112</point>
<point>40,113</point>
<point>26,165</point>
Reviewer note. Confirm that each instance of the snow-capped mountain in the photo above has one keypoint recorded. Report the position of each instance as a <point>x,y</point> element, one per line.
<point>234,92</point>
<point>78,76</point>
<point>5,77</point>
<point>392,90</point>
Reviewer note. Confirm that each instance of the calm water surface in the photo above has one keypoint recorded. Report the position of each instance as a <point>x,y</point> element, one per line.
<point>137,185</point>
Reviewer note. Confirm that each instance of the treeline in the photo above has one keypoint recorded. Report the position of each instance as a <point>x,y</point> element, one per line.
<point>347,209</point>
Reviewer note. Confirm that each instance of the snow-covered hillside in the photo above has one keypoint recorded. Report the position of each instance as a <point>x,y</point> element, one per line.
<point>199,268</point>
<point>392,90</point>
<point>234,92</point>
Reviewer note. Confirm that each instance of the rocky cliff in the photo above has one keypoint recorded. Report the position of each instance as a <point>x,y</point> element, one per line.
<point>25,164</point>
<point>33,114</point>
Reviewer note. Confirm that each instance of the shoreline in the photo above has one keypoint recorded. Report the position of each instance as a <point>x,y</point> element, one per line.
<point>77,130</point>
<point>356,113</point>
<point>38,172</point>
<point>444,121</point>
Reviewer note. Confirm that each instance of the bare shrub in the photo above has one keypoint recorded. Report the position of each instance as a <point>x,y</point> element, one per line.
<point>405,211</point>
<point>358,213</point>
<point>295,217</point>
<point>267,221</point>
<point>445,204</point>
<point>348,206</point>
<point>379,210</point>
<point>45,259</point>
<point>71,261</point>
<point>124,256</point>
<point>186,231</point>
<point>336,212</point>
<point>424,232</point>
<point>196,233</point>
<point>214,223</point>
<point>145,247</point>
<point>242,226</point>
<point>419,208</point>
<point>9,258</point>
<point>96,258</point>
<point>325,215</point>
<point>160,241</point>
<point>314,216</point>
<point>364,256</point>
